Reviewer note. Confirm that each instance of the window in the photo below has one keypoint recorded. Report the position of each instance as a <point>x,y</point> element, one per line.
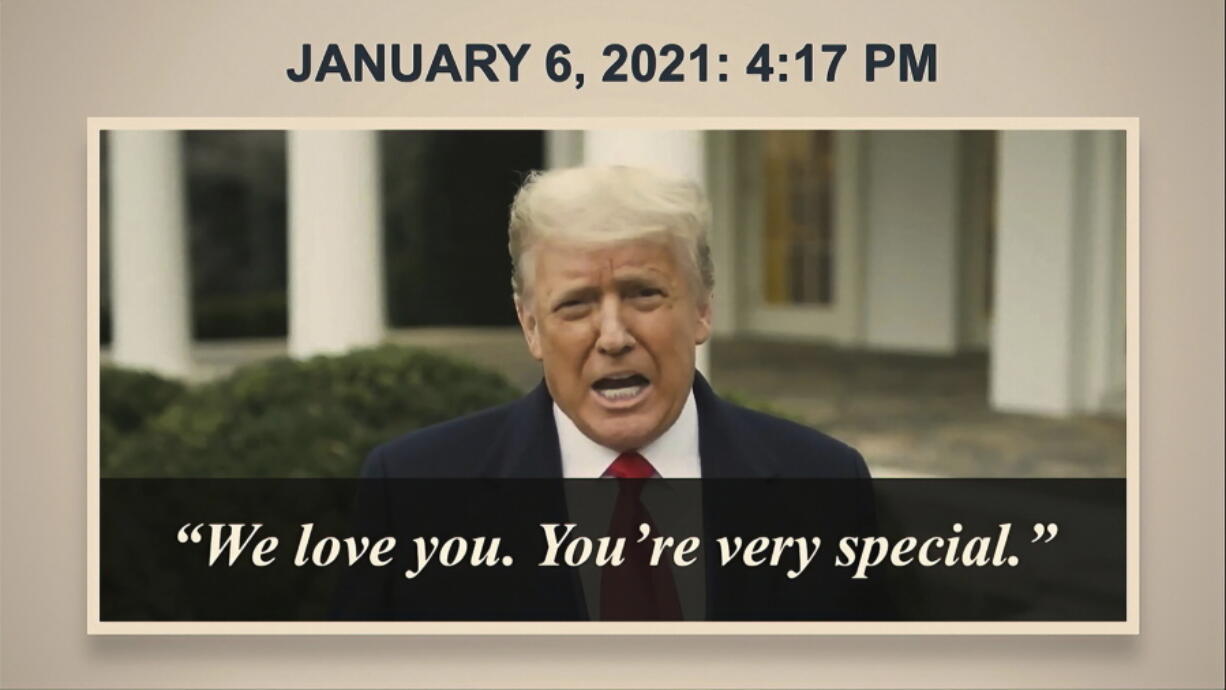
<point>798,248</point>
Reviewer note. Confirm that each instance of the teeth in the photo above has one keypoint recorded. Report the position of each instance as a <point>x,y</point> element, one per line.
<point>624,393</point>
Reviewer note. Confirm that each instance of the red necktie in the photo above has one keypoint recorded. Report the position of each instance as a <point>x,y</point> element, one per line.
<point>635,590</point>
<point>630,465</point>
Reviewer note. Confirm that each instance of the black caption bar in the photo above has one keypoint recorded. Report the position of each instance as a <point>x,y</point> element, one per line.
<point>553,550</point>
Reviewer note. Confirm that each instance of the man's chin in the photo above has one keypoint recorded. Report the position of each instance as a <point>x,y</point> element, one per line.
<point>622,436</point>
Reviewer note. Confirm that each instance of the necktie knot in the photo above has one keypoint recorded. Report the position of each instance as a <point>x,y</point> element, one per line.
<point>630,465</point>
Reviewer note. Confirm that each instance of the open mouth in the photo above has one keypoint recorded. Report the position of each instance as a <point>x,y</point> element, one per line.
<point>621,387</point>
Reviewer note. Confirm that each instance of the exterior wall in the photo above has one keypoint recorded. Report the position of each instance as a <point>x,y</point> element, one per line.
<point>911,235</point>
<point>904,227</point>
<point>978,207</point>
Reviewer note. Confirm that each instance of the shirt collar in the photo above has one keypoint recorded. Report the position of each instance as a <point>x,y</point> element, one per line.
<point>674,454</point>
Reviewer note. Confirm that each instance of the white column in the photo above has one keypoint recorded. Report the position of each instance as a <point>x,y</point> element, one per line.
<point>679,152</point>
<point>1057,322</point>
<point>723,192</point>
<point>912,222</point>
<point>150,304</point>
<point>335,242</point>
<point>563,148</point>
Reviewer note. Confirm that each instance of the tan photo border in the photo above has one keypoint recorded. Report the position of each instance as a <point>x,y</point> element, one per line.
<point>1129,626</point>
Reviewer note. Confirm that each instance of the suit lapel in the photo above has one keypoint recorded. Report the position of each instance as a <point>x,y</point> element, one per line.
<point>725,450</point>
<point>529,446</point>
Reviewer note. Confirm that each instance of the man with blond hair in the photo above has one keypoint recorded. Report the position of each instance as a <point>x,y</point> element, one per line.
<point>612,279</point>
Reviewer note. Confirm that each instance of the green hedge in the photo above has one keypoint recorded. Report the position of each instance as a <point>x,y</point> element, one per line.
<point>288,418</point>
<point>128,400</point>
<point>745,400</point>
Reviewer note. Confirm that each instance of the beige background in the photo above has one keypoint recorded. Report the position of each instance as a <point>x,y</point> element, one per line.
<point>61,62</point>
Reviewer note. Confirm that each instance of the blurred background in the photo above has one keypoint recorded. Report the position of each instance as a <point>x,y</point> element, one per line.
<point>952,303</point>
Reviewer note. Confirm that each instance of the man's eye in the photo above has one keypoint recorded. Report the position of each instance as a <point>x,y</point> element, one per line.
<point>571,306</point>
<point>649,292</point>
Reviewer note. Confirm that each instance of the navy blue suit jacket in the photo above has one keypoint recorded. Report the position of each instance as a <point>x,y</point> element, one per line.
<point>519,440</point>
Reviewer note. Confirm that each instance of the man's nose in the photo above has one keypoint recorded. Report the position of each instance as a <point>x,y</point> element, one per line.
<point>615,338</point>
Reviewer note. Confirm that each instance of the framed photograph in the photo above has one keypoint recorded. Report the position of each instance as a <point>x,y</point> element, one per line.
<point>593,376</point>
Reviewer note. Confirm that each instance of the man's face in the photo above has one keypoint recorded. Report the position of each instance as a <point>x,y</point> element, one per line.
<point>615,328</point>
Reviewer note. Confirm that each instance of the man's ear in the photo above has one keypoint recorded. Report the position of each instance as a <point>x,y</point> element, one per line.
<point>528,322</point>
<point>703,332</point>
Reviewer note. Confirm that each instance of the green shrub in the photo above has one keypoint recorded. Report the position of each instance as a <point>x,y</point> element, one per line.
<point>313,418</point>
<point>128,399</point>
<point>759,405</point>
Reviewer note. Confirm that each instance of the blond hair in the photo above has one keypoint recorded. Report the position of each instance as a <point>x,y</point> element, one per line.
<point>606,205</point>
